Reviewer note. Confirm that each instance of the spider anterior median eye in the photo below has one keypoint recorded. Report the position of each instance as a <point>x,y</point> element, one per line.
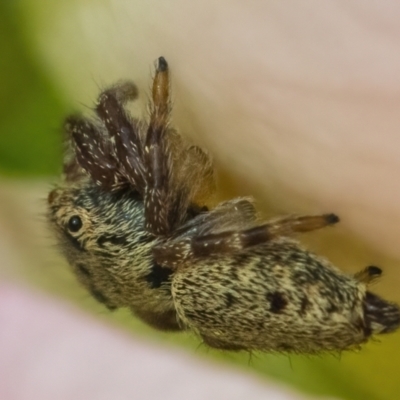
<point>74,223</point>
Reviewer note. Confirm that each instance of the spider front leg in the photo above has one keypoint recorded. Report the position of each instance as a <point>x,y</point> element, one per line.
<point>156,158</point>
<point>124,132</point>
<point>179,252</point>
<point>91,153</point>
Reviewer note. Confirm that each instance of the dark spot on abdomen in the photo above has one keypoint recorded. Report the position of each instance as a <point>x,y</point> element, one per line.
<point>230,299</point>
<point>305,305</point>
<point>277,302</point>
<point>332,308</point>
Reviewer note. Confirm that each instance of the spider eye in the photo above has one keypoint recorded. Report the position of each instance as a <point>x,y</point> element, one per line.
<point>75,223</point>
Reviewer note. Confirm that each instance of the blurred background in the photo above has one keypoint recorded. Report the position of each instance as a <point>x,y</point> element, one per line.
<point>48,68</point>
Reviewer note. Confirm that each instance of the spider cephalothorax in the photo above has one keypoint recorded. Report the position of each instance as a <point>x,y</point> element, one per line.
<point>132,218</point>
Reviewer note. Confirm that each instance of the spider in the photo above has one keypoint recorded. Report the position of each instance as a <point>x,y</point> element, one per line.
<point>133,220</point>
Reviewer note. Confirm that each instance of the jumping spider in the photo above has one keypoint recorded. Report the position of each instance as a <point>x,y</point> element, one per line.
<point>131,217</point>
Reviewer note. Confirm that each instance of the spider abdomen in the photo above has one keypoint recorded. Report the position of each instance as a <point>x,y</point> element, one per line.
<point>275,300</point>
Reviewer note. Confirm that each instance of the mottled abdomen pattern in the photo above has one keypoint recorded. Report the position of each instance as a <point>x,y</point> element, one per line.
<point>274,297</point>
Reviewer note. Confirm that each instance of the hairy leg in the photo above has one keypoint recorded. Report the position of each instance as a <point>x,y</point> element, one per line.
<point>368,274</point>
<point>156,201</point>
<point>179,252</point>
<point>91,152</point>
<point>232,241</point>
<point>123,131</point>
<point>171,176</point>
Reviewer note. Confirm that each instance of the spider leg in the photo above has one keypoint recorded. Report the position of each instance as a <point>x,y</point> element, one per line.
<point>202,179</point>
<point>178,252</point>
<point>123,131</point>
<point>368,274</point>
<point>235,214</point>
<point>170,175</point>
<point>156,158</point>
<point>232,241</point>
<point>91,152</point>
